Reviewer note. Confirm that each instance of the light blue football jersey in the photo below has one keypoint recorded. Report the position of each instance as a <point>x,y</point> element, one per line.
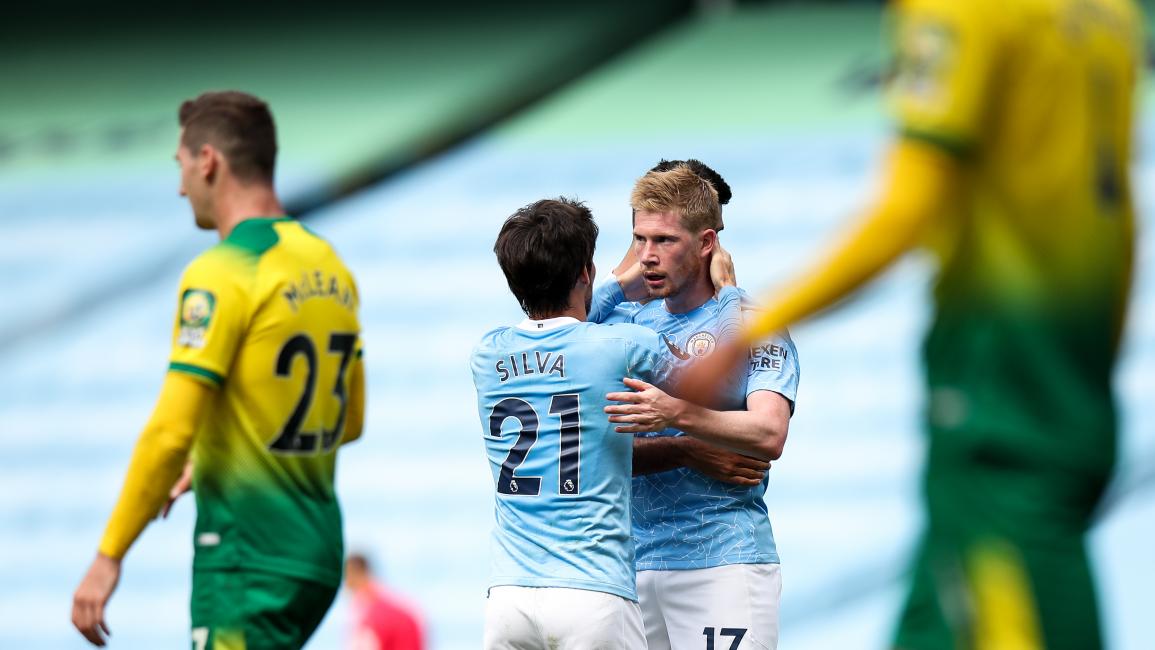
<point>560,471</point>
<point>682,518</point>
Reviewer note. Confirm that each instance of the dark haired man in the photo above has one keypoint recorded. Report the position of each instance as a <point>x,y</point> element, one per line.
<point>562,555</point>
<point>265,380</point>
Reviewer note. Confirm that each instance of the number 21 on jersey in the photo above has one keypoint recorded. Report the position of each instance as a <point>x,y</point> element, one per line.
<point>567,407</point>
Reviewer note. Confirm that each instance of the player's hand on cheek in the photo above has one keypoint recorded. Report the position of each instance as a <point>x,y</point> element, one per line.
<point>722,268</point>
<point>92,595</point>
<point>722,464</point>
<point>631,281</point>
<point>646,409</point>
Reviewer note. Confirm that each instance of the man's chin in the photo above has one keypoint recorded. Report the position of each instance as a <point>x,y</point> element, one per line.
<point>664,291</point>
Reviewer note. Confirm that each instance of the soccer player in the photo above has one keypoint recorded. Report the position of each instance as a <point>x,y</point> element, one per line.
<point>1011,165</point>
<point>562,558</point>
<point>708,568</point>
<point>264,382</point>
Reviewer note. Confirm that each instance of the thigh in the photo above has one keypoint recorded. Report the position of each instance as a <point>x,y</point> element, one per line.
<point>556,618</point>
<point>1003,562</point>
<point>650,603</point>
<point>580,619</point>
<point>731,607</point>
<point>510,619</point>
<point>243,610</point>
<point>217,621</point>
<point>284,612</point>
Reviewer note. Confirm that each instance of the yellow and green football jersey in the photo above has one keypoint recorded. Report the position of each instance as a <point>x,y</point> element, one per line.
<point>269,316</point>
<point>1035,97</point>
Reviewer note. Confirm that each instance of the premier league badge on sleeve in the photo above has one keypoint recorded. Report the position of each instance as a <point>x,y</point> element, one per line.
<point>196,312</point>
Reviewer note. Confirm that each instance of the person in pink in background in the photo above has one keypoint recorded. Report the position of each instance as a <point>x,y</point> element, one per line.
<point>382,620</point>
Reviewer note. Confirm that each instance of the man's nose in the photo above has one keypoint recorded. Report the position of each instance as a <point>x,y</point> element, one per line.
<point>647,254</point>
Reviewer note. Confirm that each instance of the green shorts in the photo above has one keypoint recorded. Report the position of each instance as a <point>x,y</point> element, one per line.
<point>252,610</point>
<point>1003,562</point>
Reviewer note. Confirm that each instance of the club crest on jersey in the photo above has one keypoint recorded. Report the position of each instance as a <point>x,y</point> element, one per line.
<point>701,344</point>
<point>196,312</point>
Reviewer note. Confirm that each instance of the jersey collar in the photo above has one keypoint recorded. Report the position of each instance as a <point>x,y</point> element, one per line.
<point>531,325</point>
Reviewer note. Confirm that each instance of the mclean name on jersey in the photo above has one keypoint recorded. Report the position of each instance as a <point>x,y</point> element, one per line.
<point>318,285</point>
<point>530,363</point>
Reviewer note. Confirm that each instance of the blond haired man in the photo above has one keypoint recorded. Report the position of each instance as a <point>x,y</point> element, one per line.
<point>708,572</point>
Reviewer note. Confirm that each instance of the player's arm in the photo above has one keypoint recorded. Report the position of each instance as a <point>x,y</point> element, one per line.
<point>759,430</point>
<point>157,463</point>
<point>664,453</point>
<point>355,414</point>
<point>920,183</point>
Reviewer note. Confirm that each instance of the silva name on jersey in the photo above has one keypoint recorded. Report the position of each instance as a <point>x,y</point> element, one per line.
<point>537,364</point>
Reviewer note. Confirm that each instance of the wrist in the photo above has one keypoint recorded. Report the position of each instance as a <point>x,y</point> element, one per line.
<point>109,553</point>
<point>107,560</point>
<point>682,415</point>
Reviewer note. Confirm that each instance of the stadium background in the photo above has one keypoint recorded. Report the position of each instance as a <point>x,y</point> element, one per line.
<point>407,135</point>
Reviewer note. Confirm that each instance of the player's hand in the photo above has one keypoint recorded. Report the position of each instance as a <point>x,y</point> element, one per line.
<point>722,464</point>
<point>722,268</point>
<point>632,283</point>
<point>92,595</point>
<point>647,408</point>
<point>182,486</point>
<point>705,378</point>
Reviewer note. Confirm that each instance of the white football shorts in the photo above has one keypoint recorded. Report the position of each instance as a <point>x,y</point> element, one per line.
<point>528,618</point>
<point>732,607</point>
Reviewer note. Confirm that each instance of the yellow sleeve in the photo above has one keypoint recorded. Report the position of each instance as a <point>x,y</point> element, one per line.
<point>157,461</point>
<point>945,52</point>
<point>919,185</point>
<point>355,413</point>
<point>212,317</point>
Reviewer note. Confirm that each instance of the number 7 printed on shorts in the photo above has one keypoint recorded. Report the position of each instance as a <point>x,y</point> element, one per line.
<point>200,638</point>
<point>737,632</point>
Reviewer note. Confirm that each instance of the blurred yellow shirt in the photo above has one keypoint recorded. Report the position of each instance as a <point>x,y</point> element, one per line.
<point>1035,98</point>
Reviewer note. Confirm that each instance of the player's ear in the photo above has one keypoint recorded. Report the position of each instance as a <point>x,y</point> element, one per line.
<point>208,161</point>
<point>709,242</point>
<point>587,276</point>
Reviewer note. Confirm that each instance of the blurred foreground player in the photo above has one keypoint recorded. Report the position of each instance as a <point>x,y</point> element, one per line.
<point>265,380</point>
<point>562,556</point>
<point>381,620</point>
<point>1012,167</point>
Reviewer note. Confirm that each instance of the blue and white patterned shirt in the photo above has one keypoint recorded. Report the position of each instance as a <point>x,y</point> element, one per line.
<point>682,518</point>
<point>561,473</point>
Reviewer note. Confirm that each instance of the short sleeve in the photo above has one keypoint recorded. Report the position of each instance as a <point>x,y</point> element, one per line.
<point>945,55</point>
<point>729,313</point>
<point>210,320</point>
<point>774,366</point>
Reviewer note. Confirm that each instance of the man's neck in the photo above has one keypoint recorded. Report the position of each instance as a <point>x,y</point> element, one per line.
<point>578,313</point>
<point>243,203</point>
<point>691,297</point>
